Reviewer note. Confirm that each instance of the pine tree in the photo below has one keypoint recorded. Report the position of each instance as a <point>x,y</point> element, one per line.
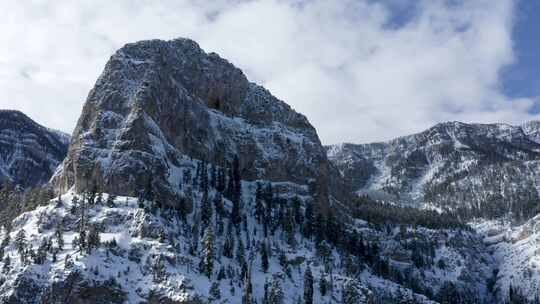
<point>228,245</point>
<point>218,205</point>
<point>41,254</point>
<point>247,297</point>
<point>148,194</point>
<point>68,262</point>
<point>266,291</point>
<point>74,205</point>
<point>309,221</point>
<point>213,176</point>
<point>195,234</point>
<point>220,186</point>
<point>206,264</point>
<point>324,251</point>
<point>206,209</point>
<point>93,239</point>
<point>7,265</point>
<point>215,291</point>
<point>350,294</point>
<point>283,261</point>
<point>59,235</point>
<point>275,292</point>
<point>349,265</point>
<point>405,297</point>
<point>5,242</point>
<point>235,186</point>
<point>319,228</point>
<point>244,270</point>
<point>449,294</point>
<point>268,196</point>
<point>308,286</point>
<point>240,252</point>
<point>264,258</point>
<point>110,201</point>
<point>221,274</point>
<point>21,243</point>
<point>237,179</point>
<point>288,227</point>
<point>229,189</point>
<point>87,198</point>
<point>323,284</point>
<point>259,206</point>
<point>236,216</point>
<point>99,198</point>
<point>297,210</point>
<point>202,176</point>
<point>159,271</point>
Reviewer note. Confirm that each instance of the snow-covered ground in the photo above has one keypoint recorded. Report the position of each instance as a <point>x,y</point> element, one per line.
<point>148,250</point>
<point>136,242</point>
<point>516,250</point>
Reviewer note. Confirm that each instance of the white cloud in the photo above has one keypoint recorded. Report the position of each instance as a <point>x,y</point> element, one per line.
<point>342,63</point>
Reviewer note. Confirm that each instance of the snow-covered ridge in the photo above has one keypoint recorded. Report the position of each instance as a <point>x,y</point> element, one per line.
<point>428,169</point>
<point>29,152</point>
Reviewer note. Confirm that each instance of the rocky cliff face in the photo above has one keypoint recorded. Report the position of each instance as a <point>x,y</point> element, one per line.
<point>29,153</point>
<point>488,169</point>
<point>158,100</point>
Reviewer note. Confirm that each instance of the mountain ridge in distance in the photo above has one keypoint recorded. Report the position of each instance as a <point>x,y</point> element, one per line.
<point>30,152</point>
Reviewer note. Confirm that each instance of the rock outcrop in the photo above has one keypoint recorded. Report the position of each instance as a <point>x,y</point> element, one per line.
<point>29,152</point>
<point>158,100</point>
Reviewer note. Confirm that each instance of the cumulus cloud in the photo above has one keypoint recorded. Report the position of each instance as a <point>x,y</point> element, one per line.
<point>359,71</point>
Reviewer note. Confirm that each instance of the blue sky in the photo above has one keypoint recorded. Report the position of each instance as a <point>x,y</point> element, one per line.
<point>522,78</point>
<point>360,70</point>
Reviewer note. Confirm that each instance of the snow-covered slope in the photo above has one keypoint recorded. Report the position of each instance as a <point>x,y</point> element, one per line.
<point>146,253</point>
<point>516,252</point>
<point>473,169</point>
<point>29,153</point>
<point>151,254</point>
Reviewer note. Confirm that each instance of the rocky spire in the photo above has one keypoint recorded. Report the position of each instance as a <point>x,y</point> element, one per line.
<point>157,101</point>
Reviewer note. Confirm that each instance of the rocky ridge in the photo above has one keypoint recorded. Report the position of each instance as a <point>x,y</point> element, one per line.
<point>487,170</point>
<point>29,152</point>
<point>159,100</point>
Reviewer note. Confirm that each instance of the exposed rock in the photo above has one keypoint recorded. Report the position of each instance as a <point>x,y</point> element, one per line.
<point>29,152</point>
<point>23,290</point>
<point>76,290</point>
<point>450,166</point>
<point>157,100</point>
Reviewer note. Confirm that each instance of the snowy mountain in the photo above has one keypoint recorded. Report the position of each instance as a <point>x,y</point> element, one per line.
<point>487,174</point>
<point>474,170</point>
<point>29,153</point>
<point>157,101</point>
<point>185,183</point>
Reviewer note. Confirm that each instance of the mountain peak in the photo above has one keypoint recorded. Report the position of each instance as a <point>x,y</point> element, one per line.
<point>30,152</point>
<point>159,101</point>
<point>428,167</point>
<point>18,116</point>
